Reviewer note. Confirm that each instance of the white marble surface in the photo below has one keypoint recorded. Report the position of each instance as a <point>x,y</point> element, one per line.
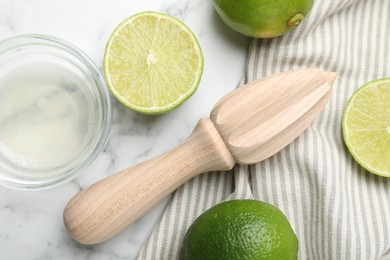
<point>31,222</point>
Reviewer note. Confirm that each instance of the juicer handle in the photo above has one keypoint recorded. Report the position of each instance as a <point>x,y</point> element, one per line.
<point>108,206</point>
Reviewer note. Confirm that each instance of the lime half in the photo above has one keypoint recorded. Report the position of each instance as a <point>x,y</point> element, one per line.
<point>366,126</point>
<point>152,63</point>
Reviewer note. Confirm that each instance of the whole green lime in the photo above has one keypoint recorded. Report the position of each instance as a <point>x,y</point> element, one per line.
<point>240,229</point>
<point>262,18</point>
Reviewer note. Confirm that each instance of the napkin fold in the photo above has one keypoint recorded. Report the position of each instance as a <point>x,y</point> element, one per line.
<point>337,209</point>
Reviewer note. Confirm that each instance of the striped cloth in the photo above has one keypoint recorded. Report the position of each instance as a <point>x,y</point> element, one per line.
<point>336,208</point>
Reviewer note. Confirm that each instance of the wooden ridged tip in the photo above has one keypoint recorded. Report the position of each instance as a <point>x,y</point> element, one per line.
<point>330,77</point>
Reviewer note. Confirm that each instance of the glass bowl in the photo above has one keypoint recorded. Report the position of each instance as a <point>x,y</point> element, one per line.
<point>55,112</point>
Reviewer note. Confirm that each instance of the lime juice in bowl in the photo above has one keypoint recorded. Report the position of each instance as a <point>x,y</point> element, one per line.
<point>44,117</point>
<point>55,112</point>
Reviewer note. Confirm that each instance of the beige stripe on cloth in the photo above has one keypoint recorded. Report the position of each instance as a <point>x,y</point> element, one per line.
<point>337,209</point>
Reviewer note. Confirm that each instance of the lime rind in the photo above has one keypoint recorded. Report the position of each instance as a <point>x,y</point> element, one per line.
<point>240,229</point>
<point>190,90</point>
<point>382,131</point>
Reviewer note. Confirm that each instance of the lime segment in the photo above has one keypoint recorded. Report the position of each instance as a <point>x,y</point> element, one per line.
<point>152,63</point>
<point>366,126</point>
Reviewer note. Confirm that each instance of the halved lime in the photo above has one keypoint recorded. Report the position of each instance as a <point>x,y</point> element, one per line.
<point>152,63</point>
<point>366,126</point>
